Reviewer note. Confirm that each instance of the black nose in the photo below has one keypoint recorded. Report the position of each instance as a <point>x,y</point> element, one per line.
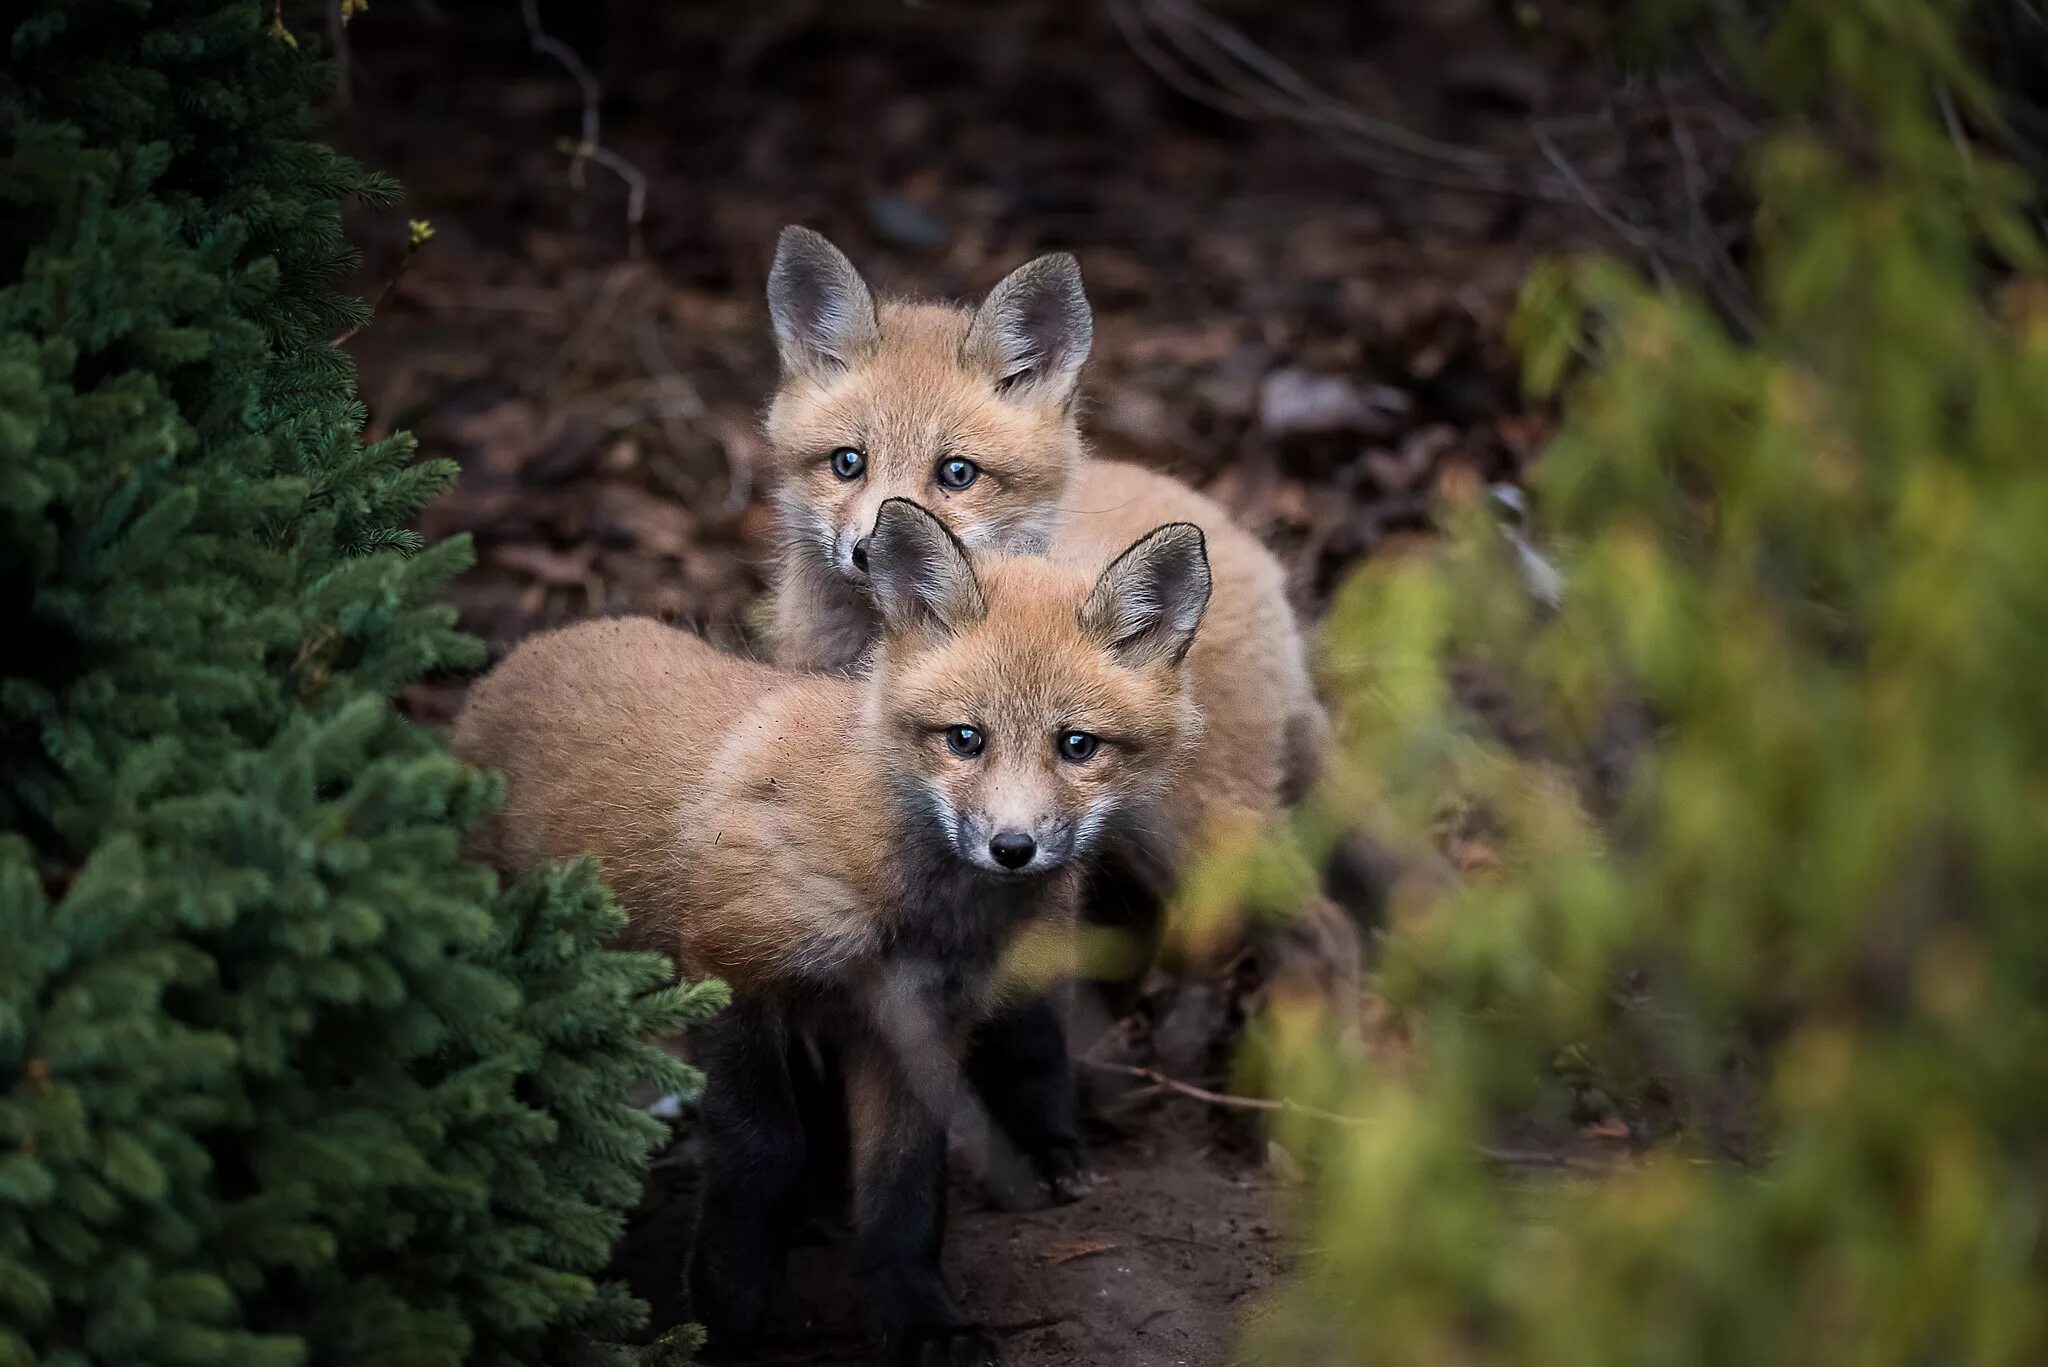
<point>1012,849</point>
<point>860,555</point>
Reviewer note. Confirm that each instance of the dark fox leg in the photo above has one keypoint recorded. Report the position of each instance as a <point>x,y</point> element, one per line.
<point>1020,1067</point>
<point>899,1200</point>
<point>753,1170</point>
<point>1123,898</point>
<point>818,1080</point>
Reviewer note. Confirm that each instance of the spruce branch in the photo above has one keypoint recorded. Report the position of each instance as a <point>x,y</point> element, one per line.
<point>419,232</point>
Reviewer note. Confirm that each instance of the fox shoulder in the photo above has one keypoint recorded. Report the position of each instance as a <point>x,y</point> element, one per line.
<point>774,884</point>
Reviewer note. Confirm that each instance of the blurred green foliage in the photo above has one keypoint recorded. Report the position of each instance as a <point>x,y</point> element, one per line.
<point>1753,826</point>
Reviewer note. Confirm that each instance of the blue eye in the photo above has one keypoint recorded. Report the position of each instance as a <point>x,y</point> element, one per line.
<point>964,741</point>
<point>1078,747</point>
<point>957,472</point>
<point>848,463</point>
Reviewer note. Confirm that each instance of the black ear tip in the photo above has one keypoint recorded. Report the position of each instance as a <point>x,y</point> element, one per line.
<point>1061,271</point>
<point>892,510</point>
<point>903,513</point>
<point>797,246</point>
<point>1185,534</point>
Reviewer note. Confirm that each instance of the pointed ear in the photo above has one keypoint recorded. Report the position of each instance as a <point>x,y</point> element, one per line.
<point>1034,330</point>
<point>920,573</point>
<point>1147,604</point>
<point>824,313</point>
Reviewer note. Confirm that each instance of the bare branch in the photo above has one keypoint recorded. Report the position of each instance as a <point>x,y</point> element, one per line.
<point>590,145</point>
<point>1513,1157</point>
<point>418,234</point>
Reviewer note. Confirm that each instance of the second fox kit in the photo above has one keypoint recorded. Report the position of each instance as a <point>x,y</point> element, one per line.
<point>854,857</point>
<point>972,413</point>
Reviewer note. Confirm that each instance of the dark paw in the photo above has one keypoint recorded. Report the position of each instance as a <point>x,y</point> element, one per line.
<point>1063,1164</point>
<point>1070,1187</point>
<point>953,1345</point>
<point>1014,1185</point>
<point>1055,1174</point>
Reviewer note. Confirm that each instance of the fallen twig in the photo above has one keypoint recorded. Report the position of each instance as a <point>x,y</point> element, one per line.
<point>1513,1157</point>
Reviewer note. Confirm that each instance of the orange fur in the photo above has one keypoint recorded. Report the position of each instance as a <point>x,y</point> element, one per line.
<point>757,824</point>
<point>907,385</point>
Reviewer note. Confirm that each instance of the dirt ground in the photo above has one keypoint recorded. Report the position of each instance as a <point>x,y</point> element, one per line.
<point>1156,1268</point>
<point>1315,339</point>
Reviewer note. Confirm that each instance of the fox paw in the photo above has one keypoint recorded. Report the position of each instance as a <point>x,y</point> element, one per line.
<point>1066,1170</point>
<point>1054,1174</point>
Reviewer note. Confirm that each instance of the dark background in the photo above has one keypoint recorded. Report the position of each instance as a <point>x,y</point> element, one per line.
<point>1291,313</point>
<point>1302,227</point>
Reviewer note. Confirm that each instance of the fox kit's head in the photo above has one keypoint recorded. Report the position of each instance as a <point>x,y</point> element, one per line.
<point>1024,707</point>
<point>967,412</point>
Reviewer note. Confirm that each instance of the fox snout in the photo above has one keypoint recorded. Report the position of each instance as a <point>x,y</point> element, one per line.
<point>850,550</point>
<point>1014,847</point>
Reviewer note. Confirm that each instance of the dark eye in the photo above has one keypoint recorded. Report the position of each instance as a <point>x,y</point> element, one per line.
<point>964,741</point>
<point>957,472</point>
<point>1078,747</point>
<point>848,463</point>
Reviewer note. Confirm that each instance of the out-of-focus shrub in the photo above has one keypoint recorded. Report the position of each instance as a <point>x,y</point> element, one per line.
<point>1760,867</point>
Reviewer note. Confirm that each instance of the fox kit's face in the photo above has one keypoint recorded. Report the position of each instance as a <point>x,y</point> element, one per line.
<point>1025,709</point>
<point>968,413</point>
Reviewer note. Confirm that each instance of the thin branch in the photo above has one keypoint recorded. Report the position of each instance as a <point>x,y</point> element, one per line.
<point>1955,131</point>
<point>548,45</point>
<point>1722,275</point>
<point>1626,231</point>
<point>1214,64</point>
<point>1311,100</point>
<point>636,190</point>
<point>344,61</point>
<point>418,234</point>
<point>589,146</point>
<point>1229,1101</point>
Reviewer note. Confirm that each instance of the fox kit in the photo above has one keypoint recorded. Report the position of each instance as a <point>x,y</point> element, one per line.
<point>854,856</point>
<point>972,413</point>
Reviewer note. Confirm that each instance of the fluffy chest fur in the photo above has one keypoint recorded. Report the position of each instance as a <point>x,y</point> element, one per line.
<point>800,861</point>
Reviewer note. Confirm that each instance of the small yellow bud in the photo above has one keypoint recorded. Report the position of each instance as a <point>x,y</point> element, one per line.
<point>420,232</point>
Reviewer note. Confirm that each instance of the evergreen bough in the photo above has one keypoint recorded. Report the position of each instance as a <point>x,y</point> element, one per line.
<point>284,1079</point>
<point>1766,867</point>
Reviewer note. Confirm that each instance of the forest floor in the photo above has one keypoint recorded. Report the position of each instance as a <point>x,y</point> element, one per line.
<point>1156,1267</point>
<point>1317,344</point>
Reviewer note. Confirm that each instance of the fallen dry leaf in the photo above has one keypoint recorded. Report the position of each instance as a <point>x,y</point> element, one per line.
<point>1066,1252</point>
